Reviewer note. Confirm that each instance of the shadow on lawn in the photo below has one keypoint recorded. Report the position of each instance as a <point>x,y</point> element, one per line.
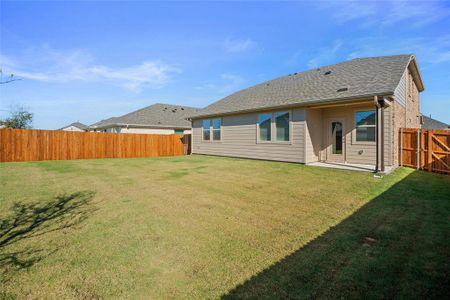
<point>396,246</point>
<point>36,219</point>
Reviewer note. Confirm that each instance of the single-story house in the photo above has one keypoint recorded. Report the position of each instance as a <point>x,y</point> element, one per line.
<point>429,123</point>
<point>77,126</point>
<point>158,118</point>
<point>348,112</point>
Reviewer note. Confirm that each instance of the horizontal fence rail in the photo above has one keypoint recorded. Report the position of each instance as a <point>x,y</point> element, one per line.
<point>33,145</point>
<point>425,149</point>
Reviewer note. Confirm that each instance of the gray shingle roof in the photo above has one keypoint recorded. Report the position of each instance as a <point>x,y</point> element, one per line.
<point>78,125</point>
<point>429,123</point>
<point>156,115</point>
<point>361,77</point>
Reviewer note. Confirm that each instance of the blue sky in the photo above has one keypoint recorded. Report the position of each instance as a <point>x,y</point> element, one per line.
<point>88,61</point>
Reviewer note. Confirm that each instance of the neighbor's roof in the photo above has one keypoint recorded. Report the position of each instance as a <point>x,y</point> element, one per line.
<point>429,123</point>
<point>78,125</point>
<point>156,115</point>
<point>362,77</point>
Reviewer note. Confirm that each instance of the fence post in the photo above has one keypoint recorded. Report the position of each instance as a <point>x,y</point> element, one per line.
<point>418,149</point>
<point>430,151</point>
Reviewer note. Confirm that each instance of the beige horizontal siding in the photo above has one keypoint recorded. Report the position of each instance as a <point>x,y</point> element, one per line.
<point>308,137</point>
<point>357,153</point>
<point>313,135</point>
<point>239,139</point>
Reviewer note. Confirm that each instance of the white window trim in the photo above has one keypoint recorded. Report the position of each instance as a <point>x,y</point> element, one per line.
<point>212,131</point>
<point>203,129</point>
<point>354,141</point>
<point>273,138</point>
<point>258,138</point>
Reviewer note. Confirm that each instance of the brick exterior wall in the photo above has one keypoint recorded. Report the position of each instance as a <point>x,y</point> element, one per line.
<point>399,121</point>
<point>407,116</point>
<point>412,103</point>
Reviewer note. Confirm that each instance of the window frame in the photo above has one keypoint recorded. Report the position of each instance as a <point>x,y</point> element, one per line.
<point>354,132</point>
<point>203,130</point>
<point>212,130</point>
<point>258,136</point>
<point>289,126</point>
<point>273,128</point>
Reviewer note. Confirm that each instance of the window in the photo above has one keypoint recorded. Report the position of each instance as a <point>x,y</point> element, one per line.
<point>282,126</point>
<point>217,124</point>
<point>264,124</point>
<point>365,126</point>
<point>279,121</point>
<point>179,131</point>
<point>206,130</point>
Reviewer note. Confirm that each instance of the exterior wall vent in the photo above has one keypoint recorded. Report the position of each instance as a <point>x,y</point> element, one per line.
<point>342,89</point>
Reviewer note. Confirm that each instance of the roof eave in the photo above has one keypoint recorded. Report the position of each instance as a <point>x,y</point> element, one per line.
<point>416,73</point>
<point>308,104</point>
<point>138,126</point>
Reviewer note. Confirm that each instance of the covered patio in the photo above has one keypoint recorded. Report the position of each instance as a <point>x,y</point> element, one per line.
<point>355,135</point>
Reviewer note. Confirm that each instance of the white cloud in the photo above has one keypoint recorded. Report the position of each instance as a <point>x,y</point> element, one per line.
<point>325,55</point>
<point>54,66</point>
<point>428,50</point>
<point>232,82</point>
<point>385,13</point>
<point>345,11</point>
<point>226,83</point>
<point>417,12</point>
<point>236,45</point>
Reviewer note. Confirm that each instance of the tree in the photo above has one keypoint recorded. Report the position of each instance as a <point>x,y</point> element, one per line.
<point>11,78</point>
<point>20,118</point>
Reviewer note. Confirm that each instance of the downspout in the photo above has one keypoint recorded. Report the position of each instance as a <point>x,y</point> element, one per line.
<point>382,137</point>
<point>191,138</point>
<point>380,105</point>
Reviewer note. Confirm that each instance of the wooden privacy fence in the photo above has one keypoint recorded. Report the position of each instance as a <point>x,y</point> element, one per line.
<point>425,149</point>
<point>30,145</point>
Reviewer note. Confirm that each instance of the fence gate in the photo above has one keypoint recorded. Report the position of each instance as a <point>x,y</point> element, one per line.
<point>425,149</point>
<point>187,144</point>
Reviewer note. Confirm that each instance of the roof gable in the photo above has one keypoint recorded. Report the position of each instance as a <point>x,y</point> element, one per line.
<point>77,125</point>
<point>156,115</point>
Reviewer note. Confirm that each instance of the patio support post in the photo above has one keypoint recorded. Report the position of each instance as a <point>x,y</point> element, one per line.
<point>377,138</point>
<point>382,138</point>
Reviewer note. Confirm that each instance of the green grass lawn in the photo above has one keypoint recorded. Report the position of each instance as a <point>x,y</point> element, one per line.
<point>208,227</point>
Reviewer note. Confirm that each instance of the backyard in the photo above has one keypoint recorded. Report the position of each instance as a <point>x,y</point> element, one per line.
<point>209,227</point>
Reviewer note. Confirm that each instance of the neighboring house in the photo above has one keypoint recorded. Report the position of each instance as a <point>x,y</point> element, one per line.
<point>429,123</point>
<point>77,126</point>
<point>155,119</point>
<point>333,113</point>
